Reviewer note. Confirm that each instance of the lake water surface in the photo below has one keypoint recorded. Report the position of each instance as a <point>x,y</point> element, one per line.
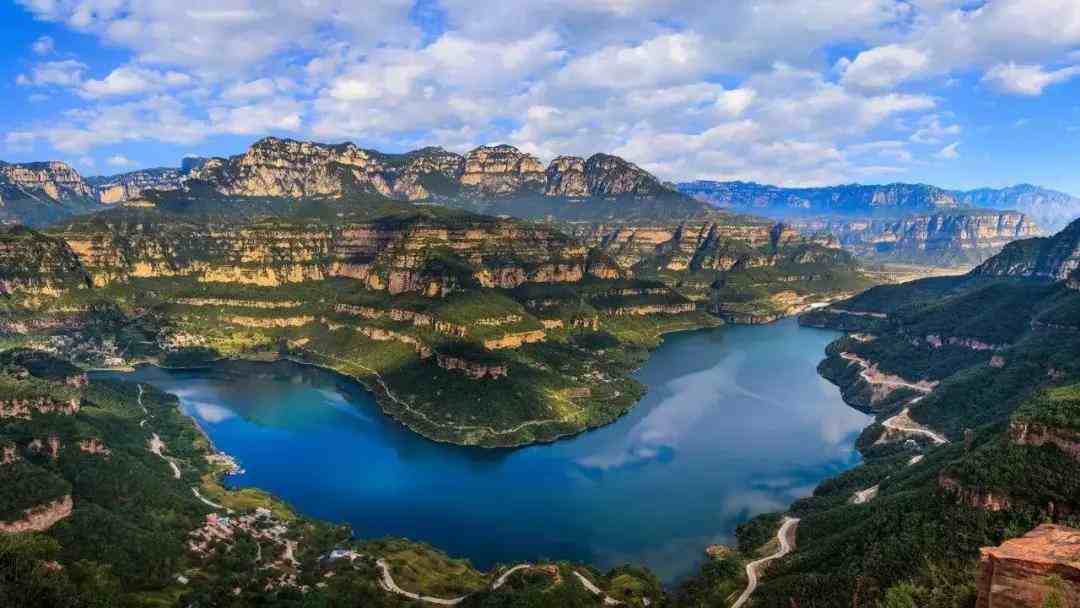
<point>736,422</point>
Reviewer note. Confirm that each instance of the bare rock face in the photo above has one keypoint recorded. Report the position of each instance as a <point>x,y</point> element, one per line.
<point>426,173</point>
<point>53,179</point>
<point>1043,564</point>
<point>1056,258</point>
<point>113,189</point>
<point>943,238</point>
<point>502,170</point>
<point>34,264</point>
<point>39,518</point>
<point>395,256</point>
<point>288,168</point>
<point>566,177</point>
<point>611,176</point>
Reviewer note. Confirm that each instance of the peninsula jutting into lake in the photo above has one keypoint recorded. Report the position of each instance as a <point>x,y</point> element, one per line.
<point>546,304</point>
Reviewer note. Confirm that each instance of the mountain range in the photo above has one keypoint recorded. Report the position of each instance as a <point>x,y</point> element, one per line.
<point>895,223</point>
<point>1050,209</point>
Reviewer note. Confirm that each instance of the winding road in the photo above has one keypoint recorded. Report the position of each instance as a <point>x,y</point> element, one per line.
<point>386,581</point>
<point>787,543</point>
<point>902,422</point>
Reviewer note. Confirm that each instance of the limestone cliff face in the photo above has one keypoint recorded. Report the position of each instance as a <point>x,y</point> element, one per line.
<point>287,168</point>
<point>854,199</point>
<point>611,176</point>
<point>113,189</point>
<point>39,518</point>
<point>566,177</point>
<point>501,171</point>
<point>34,264</point>
<point>1055,258</point>
<point>1020,572</point>
<point>705,245</point>
<point>1022,432</point>
<point>418,254</point>
<point>940,238</point>
<point>53,180</point>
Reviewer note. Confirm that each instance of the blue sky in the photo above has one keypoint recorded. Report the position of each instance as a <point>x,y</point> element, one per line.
<point>959,93</point>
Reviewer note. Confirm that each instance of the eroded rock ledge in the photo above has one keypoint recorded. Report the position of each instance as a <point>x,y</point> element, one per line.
<point>42,517</point>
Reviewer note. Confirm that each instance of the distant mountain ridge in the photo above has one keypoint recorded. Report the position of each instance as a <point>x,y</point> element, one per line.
<point>1050,209</point>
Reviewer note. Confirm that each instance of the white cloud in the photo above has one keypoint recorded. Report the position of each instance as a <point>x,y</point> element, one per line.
<point>741,88</point>
<point>883,67</point>
<point>949,152</point>
<point>66,73</point>
<point>1027,80</point>
<point>43,45</point>
<point>257,118</point>
<point>119,160</point>
<point>933,131</point>
<point>231,36</point>
<point>666,59</point>
<point>132,80</point>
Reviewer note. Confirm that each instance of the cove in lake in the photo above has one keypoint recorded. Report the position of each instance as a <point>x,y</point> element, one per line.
<point>736,422</point>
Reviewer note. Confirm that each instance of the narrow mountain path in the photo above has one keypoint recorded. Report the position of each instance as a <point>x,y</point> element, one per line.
<point>864,496</point>
<point>786,536</point>
<point>209,502</point>
<point>868,374</point>
<point>499,582</point>
<point>903,423</point>
<point>157,446</point>
<point>386,581</point>
<point>608,600</point>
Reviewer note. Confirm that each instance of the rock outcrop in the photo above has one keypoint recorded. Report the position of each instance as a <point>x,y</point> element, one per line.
<point>853,199</point>
<point>944,238</point>
<point>1055,258</point>
<point>501,171</point>
<point>1030,570</point>
<point>418,254</point>
<point>52,180</point>
<point>114,189</point>
<point>34,264</point>
<point>40,518</point>
<point>1023,432</point>
<point>473,369</point>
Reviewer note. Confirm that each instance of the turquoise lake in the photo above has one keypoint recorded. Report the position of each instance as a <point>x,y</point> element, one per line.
<point>736,422</point>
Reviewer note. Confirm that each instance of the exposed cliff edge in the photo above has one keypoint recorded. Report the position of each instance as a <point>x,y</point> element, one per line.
<point>956,238</point>
<point>1049,209</point>
<point>39,518</point>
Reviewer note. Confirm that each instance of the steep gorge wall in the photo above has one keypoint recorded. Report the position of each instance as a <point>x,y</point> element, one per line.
<point>418,255</point>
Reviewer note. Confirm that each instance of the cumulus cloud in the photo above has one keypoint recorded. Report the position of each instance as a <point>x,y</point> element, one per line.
<point>119,161</point>
<point>736,89</point>
<point>883,67</point>
<point>43,45</point>
<point>1027,80</point>
<point>66,73</point>
<point>132,80</point>
<point>949,152</point>
<point>932,130</point>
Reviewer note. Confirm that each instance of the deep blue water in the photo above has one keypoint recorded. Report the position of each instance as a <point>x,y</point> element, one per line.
<point>736,422</point>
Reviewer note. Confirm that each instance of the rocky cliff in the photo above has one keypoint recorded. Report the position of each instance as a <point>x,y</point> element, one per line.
<point>1041,568</point>
<point>1051,209</point>
<point>33,264</point>
<point>421,253</point>
<point>853,199</point>
<point>113,189</point>
<point>943,239</point>
<point>41,193</point>
<point>1055,257</point>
